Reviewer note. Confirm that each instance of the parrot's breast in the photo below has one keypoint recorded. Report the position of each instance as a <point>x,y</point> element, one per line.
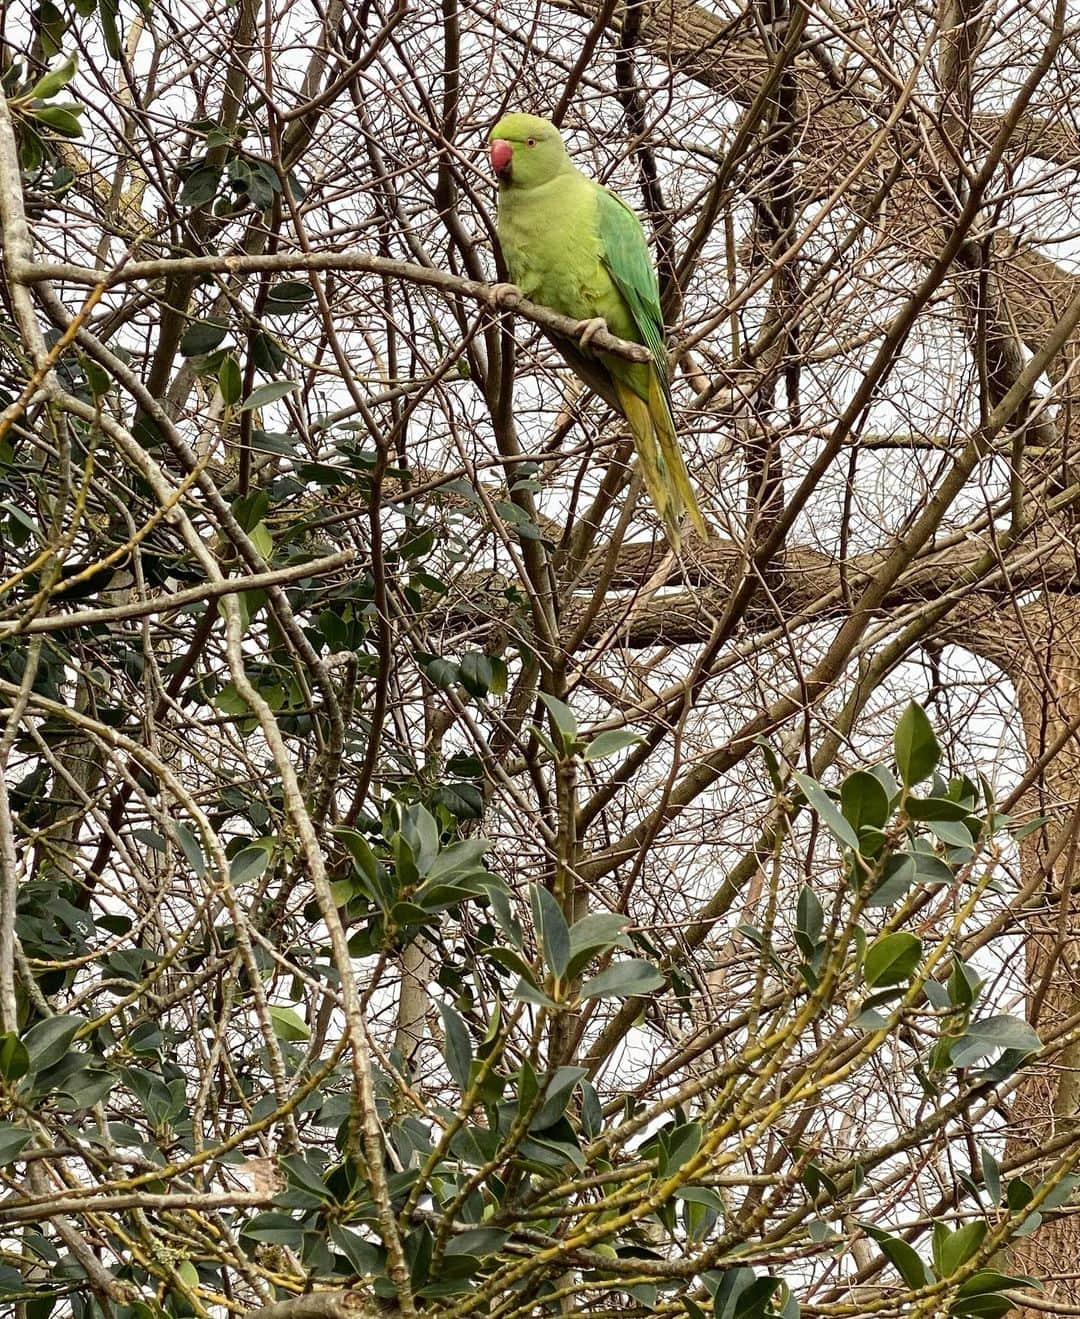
<point>552,247</point>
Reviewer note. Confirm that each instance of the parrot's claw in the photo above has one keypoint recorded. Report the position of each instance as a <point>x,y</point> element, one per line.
<point>586,329</point>
<point>506,296</point>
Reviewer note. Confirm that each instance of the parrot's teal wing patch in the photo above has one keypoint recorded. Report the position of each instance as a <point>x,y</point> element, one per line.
<point>625,255</point>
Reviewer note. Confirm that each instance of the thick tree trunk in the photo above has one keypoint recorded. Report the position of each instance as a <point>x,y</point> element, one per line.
<point>1045,1107</point>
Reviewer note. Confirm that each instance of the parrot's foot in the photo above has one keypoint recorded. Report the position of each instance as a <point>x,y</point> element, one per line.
<point>506,296</point>
<point>586,329</point>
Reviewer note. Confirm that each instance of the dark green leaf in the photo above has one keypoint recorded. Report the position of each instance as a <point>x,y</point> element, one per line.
<point>983,1037</point>
<point>953,1249</point>
<point>624,980</point>
<point>262,395</point>
<point>48,1041</point>
<point>54,81</point>
<point>476,673</point>
<point>864,801</point>
<point>827,810</point>
<point>478,1241</point>
<point>551,928</point>
<point>14,1058</point>
<point>610,743</point>
<point>62,119</point>
<point>991,1172</point>
<point>248,864</point>
<point>200,186</point>
<point>563,718</point>
<point>743,1296</point>
<point>278,1229</point>
<point>13,1140</point>
<point>897,876</point>
<point>902,1257</point>
<point>936,809</point>
<point>892,958</point>
<point>916,747</point>
<point>267,354</point>
<point>457,1046</point>
<point>288,1024</point>
<point>287,297</point>
<point>203,337</point>
<point>809,918</point>
<point>229,380</point>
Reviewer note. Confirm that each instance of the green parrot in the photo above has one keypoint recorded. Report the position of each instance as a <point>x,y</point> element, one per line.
<point>573,246</point>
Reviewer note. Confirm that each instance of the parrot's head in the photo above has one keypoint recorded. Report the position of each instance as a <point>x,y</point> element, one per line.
<point>526,151</point>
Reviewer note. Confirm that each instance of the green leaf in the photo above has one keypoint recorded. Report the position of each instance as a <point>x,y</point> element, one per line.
<point>827,810</point>
<point>992,1033</point>
<point>457,1047</point>
<point>478,1241</point>
<point>55,80</point>
<point>527,991</point>
<point>203,337</point>
<point>364,1256</point>
<point>936,808</point>
<point>229,380</point>
<point>513,961</point>
<point>597,932</point>
<point>288,1024</point>
<point>683,1143</point>
<point>288,297</point>
<point>13,1140</point>
<point>248,864</point>
<point>741,1295</point>
<point>976,1296</point>
<point>278,1229</point>
<point>991,1171</point>
<point>897,876</point>
<point>267,354</point>
<point>963,985</point>
<point>557,1091</point>
<point>916,747</point>
<point>48,1041</point>
<point>62,119</point>
<point>901,1256</point>
<point>191,848</point>
<point>552,930</point>
<point>611,742</point>
<point>624,980</point>
<point>892,958</point>
<point>809,919</point>
<point>476,673</point>
<point>262,395</point>
<point>262,540</point>
<point>200,186</point>
<point>953,1249</point>
<point>563,718</point>
<point>14,1058</point>
<point>864,801</point>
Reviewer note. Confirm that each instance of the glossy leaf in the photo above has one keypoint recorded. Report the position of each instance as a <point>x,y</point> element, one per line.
<point>892,958</point>
<point>457,1046</point>
<point>288,1024</point>
<point>263,395</point>
<point>827,810</point>
<point>915,745</point>
<point>984,1037</point>
<point>623,980</point>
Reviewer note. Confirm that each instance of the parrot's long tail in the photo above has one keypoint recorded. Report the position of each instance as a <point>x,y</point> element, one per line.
<point>662,465</point>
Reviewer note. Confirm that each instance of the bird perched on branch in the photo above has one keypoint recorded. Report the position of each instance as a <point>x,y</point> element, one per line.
<point>575,247</point>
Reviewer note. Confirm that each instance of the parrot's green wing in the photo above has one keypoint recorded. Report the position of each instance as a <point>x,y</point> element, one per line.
<point>643,392</point>
<point>625,255</point>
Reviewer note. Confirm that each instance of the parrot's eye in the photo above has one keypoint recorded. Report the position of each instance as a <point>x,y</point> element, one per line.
<point>530,142</point>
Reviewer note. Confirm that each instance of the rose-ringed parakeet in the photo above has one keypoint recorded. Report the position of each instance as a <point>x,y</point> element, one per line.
<point>571,245</point>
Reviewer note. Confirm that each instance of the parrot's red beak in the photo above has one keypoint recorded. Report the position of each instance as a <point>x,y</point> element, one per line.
<point>502,154</point>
